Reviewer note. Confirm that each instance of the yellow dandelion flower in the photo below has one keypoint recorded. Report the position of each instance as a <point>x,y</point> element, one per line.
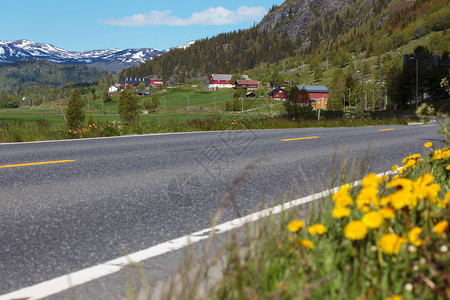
<point>403,183</point>
<point>394,168</point>
<point>343,200</point>
<point>447,167</point>
<point>340,212</point>
<point>391,243</point>
<point>342,197</point>
<point>425,189</point>
<point>306,243</point>
<point>402,199</point>
<point>440,154</point>
<point>372,219</point>
<point>317,229</point>
<point>295,225</point>
<point>355,230</point>
<point>395,297</point>
<point>368,197</point>
<point>387,213</point>
<point>428,145</point>
<point>413,236</point>
<point>440,227</point>
<point>371,180</point>
<point>411,157</point>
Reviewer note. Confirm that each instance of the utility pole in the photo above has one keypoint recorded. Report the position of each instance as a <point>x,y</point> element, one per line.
<point>188,101</point>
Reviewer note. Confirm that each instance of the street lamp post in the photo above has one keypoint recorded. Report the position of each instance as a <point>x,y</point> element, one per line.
<point>214,102</point>
<point>417,79</point>
<point>381,90</point>
<point>188,101</point>
<point>362,85</point>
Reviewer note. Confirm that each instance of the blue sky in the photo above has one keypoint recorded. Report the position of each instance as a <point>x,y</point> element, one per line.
<point>82,25</point>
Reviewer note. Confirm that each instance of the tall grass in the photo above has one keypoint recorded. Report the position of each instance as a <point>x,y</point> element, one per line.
<point>20,131</point>
<point>41,129</point>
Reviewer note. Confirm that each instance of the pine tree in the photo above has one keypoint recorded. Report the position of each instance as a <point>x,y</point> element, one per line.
<point>75,114</point>
<point>128,106</point>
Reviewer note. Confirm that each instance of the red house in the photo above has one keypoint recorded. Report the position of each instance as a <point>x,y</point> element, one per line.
<point>217,81</point>
<point>318,94</point>
<point>278,94</point>
<point>156,82</point>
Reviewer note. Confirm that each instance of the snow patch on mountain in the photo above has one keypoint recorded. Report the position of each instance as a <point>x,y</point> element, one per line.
<point>110,59</point>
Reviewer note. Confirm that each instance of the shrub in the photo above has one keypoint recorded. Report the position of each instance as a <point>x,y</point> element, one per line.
<point>152,104</point>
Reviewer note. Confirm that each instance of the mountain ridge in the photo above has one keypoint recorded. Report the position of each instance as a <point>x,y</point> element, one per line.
<point>111,59</point>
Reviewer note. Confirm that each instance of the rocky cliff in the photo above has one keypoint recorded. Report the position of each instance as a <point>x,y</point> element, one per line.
<point>294,17</point>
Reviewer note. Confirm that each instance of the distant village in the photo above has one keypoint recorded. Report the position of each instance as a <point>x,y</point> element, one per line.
<point>318,94</point>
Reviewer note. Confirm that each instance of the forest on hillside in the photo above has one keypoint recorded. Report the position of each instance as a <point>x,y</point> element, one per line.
<point>367,28</point>
<point>40,72</point>
<point>231,52</point>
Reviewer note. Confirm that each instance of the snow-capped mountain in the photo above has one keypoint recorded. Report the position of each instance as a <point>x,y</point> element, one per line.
<point>184,46</point>
<point>110,59</point>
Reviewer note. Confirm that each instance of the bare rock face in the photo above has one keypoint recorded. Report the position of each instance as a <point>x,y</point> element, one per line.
<point>294,17</point>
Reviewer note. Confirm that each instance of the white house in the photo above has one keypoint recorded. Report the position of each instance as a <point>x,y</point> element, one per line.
<point>113,89</point>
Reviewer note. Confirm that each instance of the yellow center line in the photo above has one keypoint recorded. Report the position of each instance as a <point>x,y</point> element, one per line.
<point>427,125</point>
<point>37,163</point>
<point>387,129</point>
<point>303,138</point>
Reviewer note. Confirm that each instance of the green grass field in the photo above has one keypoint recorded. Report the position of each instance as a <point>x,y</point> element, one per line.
<point>173,104</point>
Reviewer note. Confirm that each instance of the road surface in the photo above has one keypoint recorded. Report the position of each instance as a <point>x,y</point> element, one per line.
<point>69,205</point>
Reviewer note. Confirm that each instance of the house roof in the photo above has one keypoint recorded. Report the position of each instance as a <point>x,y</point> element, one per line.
<point>226,77</point>
<point>126,80</point>
<point>314,88</point>
<point>221,77</point>
<point>247,82</point>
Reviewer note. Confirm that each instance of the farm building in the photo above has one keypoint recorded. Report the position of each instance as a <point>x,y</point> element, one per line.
<point>318,94</point>
<point>278,94</point>
<point>218,81</point>
<point>247,84</point>
<point>133,81</point>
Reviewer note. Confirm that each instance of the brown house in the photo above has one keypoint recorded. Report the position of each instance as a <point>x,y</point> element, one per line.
<point>247,84</point>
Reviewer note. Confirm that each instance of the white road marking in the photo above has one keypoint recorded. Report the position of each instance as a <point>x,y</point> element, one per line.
<point>65,282</point>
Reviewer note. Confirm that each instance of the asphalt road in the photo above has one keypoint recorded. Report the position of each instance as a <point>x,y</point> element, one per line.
<point>102,198</point>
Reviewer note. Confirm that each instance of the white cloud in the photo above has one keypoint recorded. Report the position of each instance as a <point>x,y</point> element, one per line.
<point>211,16</point>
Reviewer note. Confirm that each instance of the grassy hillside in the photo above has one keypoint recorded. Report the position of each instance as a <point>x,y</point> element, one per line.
<point>356,35</point>
<point>40,72</point>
